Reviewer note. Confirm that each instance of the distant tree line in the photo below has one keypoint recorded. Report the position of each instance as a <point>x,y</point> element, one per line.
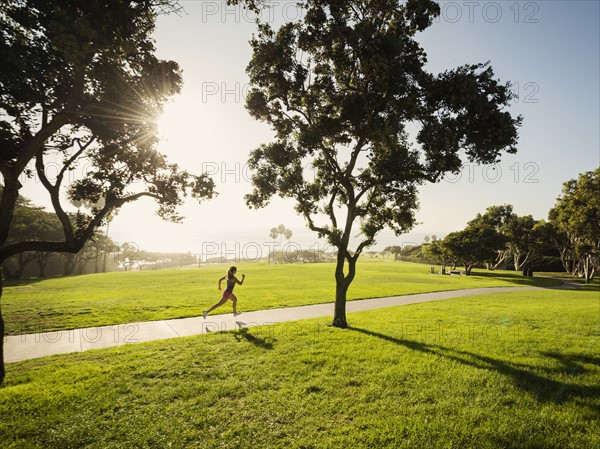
<point>499,238</point>
<point>99,254</point>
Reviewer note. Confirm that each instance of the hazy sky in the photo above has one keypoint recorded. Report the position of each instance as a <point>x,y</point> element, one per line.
<point>549,50</point>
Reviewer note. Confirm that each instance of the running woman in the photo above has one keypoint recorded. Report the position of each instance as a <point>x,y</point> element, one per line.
<point>228,293</point>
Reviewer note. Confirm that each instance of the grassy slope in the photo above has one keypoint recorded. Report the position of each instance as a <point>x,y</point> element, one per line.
<point>517,370</point>
<point>112,298</point>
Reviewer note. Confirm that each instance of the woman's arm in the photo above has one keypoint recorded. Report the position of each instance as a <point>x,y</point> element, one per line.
<point>221,280</point>
<point>242,281</point>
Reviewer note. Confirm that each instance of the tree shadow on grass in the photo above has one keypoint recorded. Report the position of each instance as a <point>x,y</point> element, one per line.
<point>573,363</point>
<point>243,333</point>
<point>524,377</point>
<point>518,278</point>
<point>22,282</point>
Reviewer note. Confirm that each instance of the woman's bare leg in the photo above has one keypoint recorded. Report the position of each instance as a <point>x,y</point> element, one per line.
<point>234,301</point>
<point>220,303</point>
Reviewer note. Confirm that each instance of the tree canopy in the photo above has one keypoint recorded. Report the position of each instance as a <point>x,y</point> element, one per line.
<point>477,243</point>
<point>80,86</point>
<point>576,217</point>
<point>340,88</point>
<point>519,234</point>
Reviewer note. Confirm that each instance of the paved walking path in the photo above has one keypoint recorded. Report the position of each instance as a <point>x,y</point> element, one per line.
<point>31,346</point>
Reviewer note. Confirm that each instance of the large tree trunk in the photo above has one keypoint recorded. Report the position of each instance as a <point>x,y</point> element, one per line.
<point>342,282</point>
<point>2,372</point>
<point>339,316</point>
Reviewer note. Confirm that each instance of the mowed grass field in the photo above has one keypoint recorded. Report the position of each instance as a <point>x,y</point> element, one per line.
<point>115,298</point>
<point>504,370</point>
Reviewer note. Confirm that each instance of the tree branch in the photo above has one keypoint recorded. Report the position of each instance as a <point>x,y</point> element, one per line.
<point>20,247</point>
<point>137,196</point>
<point>312,227</point>
<point>73,158</point>
<point>54,191</point>
<point>347,176</point>
<point>330,211</point>
<point>36,142</point>
<point>333,163</point>
<point>362,246</point>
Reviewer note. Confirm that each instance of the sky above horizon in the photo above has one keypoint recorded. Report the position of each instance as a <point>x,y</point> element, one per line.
<point>549,50</point>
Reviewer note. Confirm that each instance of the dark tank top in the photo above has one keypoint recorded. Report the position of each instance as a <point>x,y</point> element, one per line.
<point>230,286</point>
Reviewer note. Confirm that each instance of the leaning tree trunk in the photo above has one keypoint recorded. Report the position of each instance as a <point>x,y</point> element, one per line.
<point>521,263</point>
<point>500,260</point>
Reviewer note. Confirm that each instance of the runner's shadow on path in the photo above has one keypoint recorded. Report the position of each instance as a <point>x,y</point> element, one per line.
<point>243,333</point>
<point>531,379</point>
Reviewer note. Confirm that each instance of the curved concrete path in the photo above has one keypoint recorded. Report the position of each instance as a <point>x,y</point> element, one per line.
<point>31,346</point>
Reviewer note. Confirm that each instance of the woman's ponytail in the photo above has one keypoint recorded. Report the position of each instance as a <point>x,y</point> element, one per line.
<point>230,272</point>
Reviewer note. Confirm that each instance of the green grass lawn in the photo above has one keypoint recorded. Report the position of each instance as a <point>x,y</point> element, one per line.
<point>506,370</point>
<point>115,298</point>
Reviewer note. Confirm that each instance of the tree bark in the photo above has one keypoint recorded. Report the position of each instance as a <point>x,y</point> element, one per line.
<point>339,316</point>
<point>501,260</point>
<point>342,282</point>
<point>519,262</point>
<point>588,269</point>
<point>2,371</point>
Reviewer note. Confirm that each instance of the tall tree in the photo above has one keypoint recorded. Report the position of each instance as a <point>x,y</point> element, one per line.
<point>80,83</point>
<point>576,215</point>
<point>339,88</point>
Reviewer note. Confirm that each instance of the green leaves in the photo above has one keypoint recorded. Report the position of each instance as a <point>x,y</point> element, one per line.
<point>474,244</point>
<point>576,215</point>
<point>338,89</point>
<point>465,112</point>
<point>82,84</point>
